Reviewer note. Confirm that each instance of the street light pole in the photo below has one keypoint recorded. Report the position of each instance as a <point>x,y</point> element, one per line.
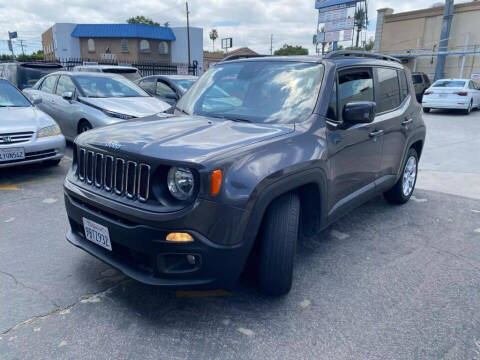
<point>188,32</point>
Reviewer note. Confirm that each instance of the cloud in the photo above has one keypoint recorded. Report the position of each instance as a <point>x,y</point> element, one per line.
<point>249,22</point>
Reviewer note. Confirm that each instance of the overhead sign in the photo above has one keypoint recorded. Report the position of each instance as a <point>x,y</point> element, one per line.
<point>326,5</point>
<point>226,43</point>
<point>337,25</point>
<point>339,14</point>
<point>332,36</point>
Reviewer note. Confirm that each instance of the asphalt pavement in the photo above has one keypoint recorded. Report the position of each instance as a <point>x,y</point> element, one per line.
<point>384,282</point>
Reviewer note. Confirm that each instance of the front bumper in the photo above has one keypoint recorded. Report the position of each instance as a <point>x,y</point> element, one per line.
<point>141,252</point>
<point>38,150</point>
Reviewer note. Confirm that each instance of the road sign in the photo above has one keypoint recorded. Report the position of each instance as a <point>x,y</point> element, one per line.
<point>326,5</point>
<point>332,36</point>
<point>336,25</point>
<point>227,43</point>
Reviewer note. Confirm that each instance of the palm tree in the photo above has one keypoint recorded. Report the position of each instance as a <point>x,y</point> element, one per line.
<point>213,37</point>
<point>360,22</point>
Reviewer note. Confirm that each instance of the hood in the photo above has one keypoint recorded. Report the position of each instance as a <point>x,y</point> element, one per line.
<point>20,119</point>
<point>190,139</point>
<point>134,106</point>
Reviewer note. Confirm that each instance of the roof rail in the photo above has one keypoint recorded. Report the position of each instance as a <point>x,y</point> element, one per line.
<point>242,56</point>
<point>356,53</point>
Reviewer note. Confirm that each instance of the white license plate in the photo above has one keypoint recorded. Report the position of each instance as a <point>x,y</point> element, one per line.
<point>442,95</point>
<point>12,154</point>
<point>97,234</point>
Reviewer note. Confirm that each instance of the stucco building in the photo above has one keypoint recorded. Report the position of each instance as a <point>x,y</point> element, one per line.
<point>414,36</point>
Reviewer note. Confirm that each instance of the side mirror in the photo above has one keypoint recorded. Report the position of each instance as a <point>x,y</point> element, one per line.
<point>361,112</point>
<point>67,95</point>
<point>36,100</point>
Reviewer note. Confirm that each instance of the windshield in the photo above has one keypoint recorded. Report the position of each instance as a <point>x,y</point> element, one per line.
<point>102,87</point>
<point>130,74</point>
<point>10,96</point>
<point>184,84</point>
<point>256,91</point>
<point>417,79</point>
<point>449,84</point>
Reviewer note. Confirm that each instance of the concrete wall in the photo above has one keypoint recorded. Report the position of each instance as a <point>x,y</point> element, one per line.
<point>65,45</point>
<point>419,31</point>
<point>180,47</point>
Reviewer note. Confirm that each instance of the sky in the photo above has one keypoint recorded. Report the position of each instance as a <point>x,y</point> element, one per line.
<point>249,22</point>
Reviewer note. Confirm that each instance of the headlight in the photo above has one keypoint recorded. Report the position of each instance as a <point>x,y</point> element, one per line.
<point>180,183</point>
<point>118,115</point>
<point>51,130</point>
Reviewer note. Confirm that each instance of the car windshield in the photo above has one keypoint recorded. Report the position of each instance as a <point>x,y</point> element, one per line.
<point>449,84</point>
<point>256,91</point>
<point>184,84</point>
<point>11,97</point>
<point>130,74</point>
<point>417,79</point>
<point>103,87</point>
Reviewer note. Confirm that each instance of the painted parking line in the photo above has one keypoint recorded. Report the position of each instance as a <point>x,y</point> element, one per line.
<point>8,186</point>
<point>198,294</point>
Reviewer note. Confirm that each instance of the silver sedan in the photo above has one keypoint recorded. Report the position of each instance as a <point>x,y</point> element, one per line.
<point>27,135</point>
<point>80,101</point>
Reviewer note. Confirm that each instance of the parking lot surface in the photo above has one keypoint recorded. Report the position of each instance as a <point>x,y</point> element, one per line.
<point>384,282</point>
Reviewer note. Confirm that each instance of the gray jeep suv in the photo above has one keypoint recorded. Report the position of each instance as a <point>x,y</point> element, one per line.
<point>257,150</point>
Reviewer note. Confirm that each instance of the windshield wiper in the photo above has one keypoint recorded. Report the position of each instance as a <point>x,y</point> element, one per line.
<point>181,110</point>
<point>229,117</point>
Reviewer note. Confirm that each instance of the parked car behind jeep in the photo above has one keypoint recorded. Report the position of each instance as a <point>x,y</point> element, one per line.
<point>421,82</point>
<point>258,150</point>
<point>25,75</point>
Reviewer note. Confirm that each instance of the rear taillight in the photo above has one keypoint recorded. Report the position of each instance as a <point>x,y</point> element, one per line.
<point>461,93</point>
<point>428,93</point>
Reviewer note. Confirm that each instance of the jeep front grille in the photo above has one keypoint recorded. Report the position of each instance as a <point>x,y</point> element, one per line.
<point>114,174</point>
<point>15,138</point>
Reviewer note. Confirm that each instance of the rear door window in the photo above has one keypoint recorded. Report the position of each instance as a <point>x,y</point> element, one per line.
<point>354,85</point>
<point>417,79</point>
<point>388,97</point>
<point>403,85</point>
<point>48,84</point>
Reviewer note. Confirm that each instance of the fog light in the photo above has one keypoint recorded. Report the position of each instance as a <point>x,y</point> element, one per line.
<point>191,259</point>
<point>179,237</point>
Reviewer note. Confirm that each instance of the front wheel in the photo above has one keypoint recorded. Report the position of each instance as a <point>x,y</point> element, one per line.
<point>401,192</point>
<point>278,245</point>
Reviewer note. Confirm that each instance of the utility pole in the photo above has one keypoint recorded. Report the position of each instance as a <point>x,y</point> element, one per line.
<point>444,35</point>
<point>188,32</point>
<point>22,46</point>
<point>271,44</point>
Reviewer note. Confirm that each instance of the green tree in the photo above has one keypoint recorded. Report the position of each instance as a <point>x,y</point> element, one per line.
<point>140,19</point>
<point>213,36</point>
<point>360,22</point>
<point>287,50</point>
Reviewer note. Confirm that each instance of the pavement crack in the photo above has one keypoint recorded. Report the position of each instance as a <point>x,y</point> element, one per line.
<point>38,291</point>
<point>81,299</point>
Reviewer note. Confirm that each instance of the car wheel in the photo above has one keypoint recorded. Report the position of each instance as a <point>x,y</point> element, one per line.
<point>469,109</point>
<point>278,245</point>
<point>401,192</point>
<point>83,126</point>
<point>426,110</point>
<point>52,162</point>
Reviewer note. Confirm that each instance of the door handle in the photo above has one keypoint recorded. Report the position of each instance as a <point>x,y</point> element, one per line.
<point>407,122</point>
<point>375,133</point>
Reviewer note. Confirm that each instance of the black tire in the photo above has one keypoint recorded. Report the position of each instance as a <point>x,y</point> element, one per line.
<point>52,162</point>
<point>426,110</point>
<point>469,110</point>
<point>278,244</point>
<point>83,126</point>
<point>396,195</point>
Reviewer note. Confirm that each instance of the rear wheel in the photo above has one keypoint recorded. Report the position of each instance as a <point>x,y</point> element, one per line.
<point>469,109</point>
<point>278,245</point>
<point>426,110</point>
<point>83,126</point>
<point>401,192</point>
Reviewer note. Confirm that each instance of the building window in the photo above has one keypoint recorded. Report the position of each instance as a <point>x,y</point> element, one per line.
<point>163,48</point>
<point>124,45</point>
<point>91,45</point>
<point>144,46</point>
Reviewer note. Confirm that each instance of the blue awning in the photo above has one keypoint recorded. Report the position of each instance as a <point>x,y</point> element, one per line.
<point>124,31</point>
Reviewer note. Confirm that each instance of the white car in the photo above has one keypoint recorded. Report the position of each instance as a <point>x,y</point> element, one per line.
<point>27,135</point>
<point>462,94</point>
